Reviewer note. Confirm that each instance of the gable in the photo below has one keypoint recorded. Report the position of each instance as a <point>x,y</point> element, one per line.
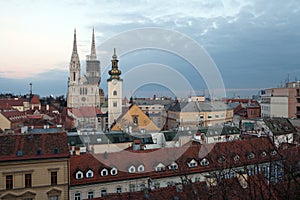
<point>135,118</point>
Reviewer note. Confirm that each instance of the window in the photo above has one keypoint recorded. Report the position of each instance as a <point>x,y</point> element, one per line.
<point>103,192</point>
<point>141,168</point>
<point>77,196</point>
<point>115,93</point>
<point>160,167</point>
<point>131,169</point>
<point>74,76</point>
<point>79,175</point>
<point>209,116</point>
<point>131,187</point>
<point>53,178</point>
<point>135,120</point>
<point>236,157</point>
<point>27,180</point>
<point>9,182</point>
<point>204,162</point>
<point>222,160</point>
<point>104,172</point>
<point>156,185</point>
<point>90,174</point>
<point>192,163</point>
<point>173,166</point>
<point>114,171</point>
<point>273,153</point>
<point>263,154</point>
<point>119,190</point>
<point>251,156</point>
<point>115,104</point>
<point>55,197</point>
<point>217,116</point>
<point>90,194</point>
<point>142,186</point>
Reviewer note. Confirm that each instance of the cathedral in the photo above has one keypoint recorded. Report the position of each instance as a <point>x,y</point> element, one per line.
<point>84,92</point>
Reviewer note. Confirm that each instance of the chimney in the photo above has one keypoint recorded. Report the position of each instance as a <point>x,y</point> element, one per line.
<point>77,151</point>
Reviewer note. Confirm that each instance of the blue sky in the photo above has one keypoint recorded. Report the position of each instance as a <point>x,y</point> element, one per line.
<point>254,44</point>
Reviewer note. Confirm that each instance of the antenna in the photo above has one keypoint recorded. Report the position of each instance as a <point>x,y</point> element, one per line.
<point>30,89</point>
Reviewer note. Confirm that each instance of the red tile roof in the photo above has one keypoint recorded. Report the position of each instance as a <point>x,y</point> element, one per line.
<point>35,100</point>
<point>85,111</point>
<point>13,102</point>
<point>14,115</point>
<point>181,155</point>
<point>33,146</point>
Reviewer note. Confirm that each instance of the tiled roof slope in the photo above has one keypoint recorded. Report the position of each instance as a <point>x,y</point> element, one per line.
<point>85,111</point>
<point>33,146</point>
<point>214,153</point>
<point>14,115</point>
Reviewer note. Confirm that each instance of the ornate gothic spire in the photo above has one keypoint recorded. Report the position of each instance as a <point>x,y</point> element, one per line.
<point>114,72</point>
<point>93,48</point>
<point>74,57</point>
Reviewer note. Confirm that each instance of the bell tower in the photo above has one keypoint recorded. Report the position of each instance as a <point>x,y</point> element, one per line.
<point>114,91</point>
<point>74,64</point>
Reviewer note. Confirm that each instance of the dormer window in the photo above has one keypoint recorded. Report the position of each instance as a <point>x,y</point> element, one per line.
<point>251,156</point>
<point>263,154</point>
<point>160,167</point>
<point>141,168</point>
<point>204,162</point>
<point>131,169</point>
<point>79,175</point>
<point>104,172</point>
<point>273,153</point>
<point>89,174</point>
<point>193,163</point>
<point>222,160</point>
<point>236,157</point>
<point>114,171</point>
<point>173,166</point>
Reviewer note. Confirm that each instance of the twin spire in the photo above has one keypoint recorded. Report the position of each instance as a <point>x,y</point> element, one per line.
<point>93,55</point>
<point>75,56</point>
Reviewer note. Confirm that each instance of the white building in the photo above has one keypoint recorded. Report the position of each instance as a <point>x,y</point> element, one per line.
<point>274,106</point>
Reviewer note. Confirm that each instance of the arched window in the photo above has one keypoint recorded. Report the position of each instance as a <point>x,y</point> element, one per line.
<point>115,93</point>
<point>104,172</point>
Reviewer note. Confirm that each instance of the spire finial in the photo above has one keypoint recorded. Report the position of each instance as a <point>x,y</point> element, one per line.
<point>93,48</point>
<point>74,42</point>
<point>115,54</point>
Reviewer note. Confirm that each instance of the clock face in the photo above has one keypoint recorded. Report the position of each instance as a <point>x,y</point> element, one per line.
<point>114,81</point>
<point>83,99</point>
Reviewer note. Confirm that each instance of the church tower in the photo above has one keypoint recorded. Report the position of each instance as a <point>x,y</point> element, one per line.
<point>84,91</point>
<point>93,73</point>
<point>74,64</point>
<point>74,77</point>
<point>114,91</point>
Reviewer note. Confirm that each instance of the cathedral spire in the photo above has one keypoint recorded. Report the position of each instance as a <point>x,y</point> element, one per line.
<point>93,48</point>
<point>74,57</point>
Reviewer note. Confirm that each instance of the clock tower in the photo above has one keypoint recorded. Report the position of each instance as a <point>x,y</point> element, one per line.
<point>114,91</point>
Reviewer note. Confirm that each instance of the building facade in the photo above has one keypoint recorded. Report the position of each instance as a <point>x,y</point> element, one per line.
<point>282,102</point>
<point>194,114</point>
<point>34,166</point>
<point>84,90</point>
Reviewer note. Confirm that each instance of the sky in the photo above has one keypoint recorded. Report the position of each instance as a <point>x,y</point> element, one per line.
<point>253,44</point>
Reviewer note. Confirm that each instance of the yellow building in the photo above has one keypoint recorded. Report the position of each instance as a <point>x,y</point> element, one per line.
<point>195,114</point>
<point>34,166</point>
<point>134,120</point>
